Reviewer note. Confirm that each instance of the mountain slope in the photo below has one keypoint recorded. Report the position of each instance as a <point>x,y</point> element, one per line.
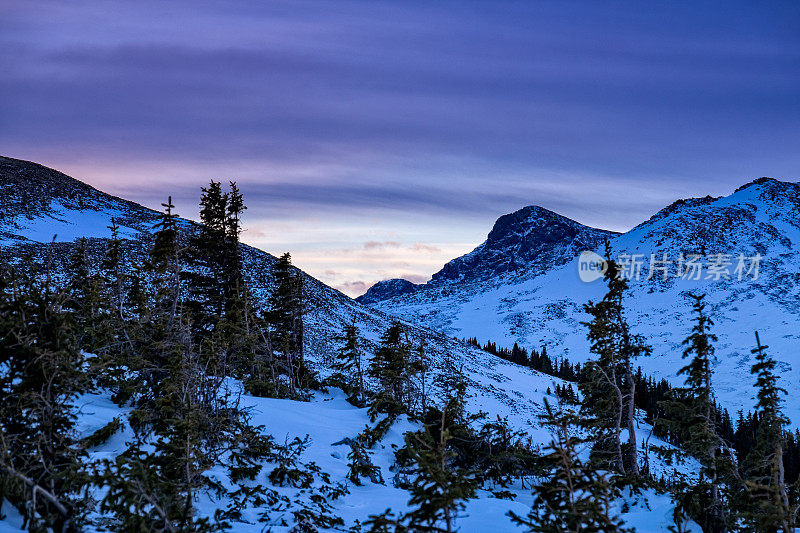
<point>37,203</point>
<point>547,309</point>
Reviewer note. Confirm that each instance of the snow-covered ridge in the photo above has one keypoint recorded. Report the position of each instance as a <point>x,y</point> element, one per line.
<point>761,217</point>
<point>38,204</point>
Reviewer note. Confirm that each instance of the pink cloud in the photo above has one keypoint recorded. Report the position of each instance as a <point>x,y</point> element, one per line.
<point>422,247</point>
<point>354,288</point>
<point>379,245</point>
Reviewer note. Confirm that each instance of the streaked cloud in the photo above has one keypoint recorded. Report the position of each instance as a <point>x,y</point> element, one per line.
<point>416,123</point>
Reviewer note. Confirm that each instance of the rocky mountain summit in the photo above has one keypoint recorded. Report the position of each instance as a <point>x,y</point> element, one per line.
<point>525,242</point>
<point>389,288</point>
<point>530,239</point>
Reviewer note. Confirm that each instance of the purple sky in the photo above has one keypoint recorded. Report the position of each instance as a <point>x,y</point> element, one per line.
<point>380,139</point>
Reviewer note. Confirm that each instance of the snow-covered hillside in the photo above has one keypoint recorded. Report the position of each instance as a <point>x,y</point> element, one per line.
<point>544,306</point>
<point>37,202</point>
<point>40,205</point>
<point>327,420</point>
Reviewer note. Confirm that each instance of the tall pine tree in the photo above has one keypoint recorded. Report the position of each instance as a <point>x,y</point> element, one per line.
<point>207,254</point>
<point>166,264</point>
<point>285,316</point>
<point>349,360</point>
<point>609,389</point>
<point>573,495</point>
<point>691,413</point>
<point>768,506</point>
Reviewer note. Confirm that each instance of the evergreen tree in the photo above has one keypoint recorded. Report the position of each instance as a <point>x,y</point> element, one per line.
<point>187,406</point>
<point>165,244</point>
<point>768,506</point>
<point>609,389</point>
<point>139,497</point>
<point>263,376</point>
<point>41,470</point>
<point>349,360</point>
<point>207,256</point>
<point>234,279</point>
<point>160,322</point>
<point>166,264</point>
<point>232,334</point>
<point>361,466</point>
<point>390,367</point>
<point>85,300</point>
<point>573,496</point>
<point>79,280</point>
<point>116,350</point>
<point>440,485</point>
<point>285,316</point>
<point>691,412</point>
<point>112,267</point>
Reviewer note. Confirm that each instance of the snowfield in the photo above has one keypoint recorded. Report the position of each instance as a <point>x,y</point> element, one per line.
<point>62,224</point>
<point>328,419</point>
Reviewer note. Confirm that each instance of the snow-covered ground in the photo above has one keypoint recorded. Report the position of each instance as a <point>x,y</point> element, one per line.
<point>328,419</point>
<point>61,224</point>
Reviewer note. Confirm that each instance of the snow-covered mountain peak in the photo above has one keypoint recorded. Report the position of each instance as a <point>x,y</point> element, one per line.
<point>756,218</point>
<point>781,199</point>
<point>523,243</point>
<point>764,183</point>
<point>532,238</point>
